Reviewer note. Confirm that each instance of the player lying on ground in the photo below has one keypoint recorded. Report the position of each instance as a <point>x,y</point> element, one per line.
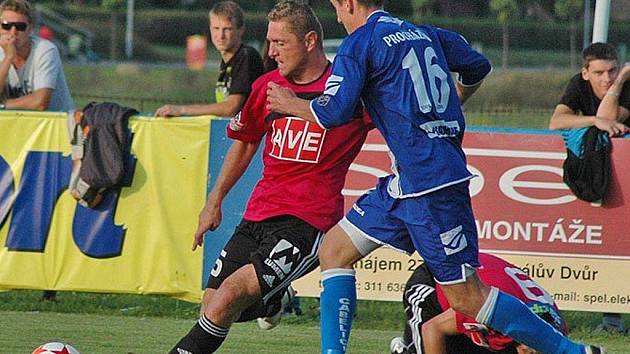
<point>431,324</point>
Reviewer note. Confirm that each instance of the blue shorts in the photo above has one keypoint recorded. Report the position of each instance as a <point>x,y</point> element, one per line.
<point>439,225</point>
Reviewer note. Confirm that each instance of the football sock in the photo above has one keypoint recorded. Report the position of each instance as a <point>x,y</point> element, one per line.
<point>205,337</point>
<point>513,318</point>
<point>337,305</point>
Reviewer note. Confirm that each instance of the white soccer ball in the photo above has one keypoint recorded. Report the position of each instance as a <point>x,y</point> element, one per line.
<point>55,348</point>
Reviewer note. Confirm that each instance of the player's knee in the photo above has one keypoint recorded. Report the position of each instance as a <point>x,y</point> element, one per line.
<point>233,296</point>
<point>337,251</point>
<point>327,257</point>
<point>468,303</point>
<point>461,305</point>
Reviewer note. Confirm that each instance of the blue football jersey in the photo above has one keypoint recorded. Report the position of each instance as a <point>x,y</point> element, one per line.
<point>402,74</point>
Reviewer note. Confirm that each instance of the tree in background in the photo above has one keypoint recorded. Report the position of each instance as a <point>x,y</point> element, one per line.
<point>570,10</point>
<point>114,6</point>
<point>505,11</point>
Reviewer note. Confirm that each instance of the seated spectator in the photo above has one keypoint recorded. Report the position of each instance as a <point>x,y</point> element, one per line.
<point>30,67</point>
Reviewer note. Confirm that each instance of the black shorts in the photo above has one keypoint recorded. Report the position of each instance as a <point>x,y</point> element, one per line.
<point>282,249</point>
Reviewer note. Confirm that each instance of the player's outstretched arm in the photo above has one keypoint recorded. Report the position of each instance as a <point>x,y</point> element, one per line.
<point>565,118</point>
<point>228,108</point>
<point>465,92</point>
<point>435,331</point>
<point>235,164</point>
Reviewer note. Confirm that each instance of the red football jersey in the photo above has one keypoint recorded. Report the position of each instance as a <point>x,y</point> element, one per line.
<point>511,280</point>
<point>304,165</point>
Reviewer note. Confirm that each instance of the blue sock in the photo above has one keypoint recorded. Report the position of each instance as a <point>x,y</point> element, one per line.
<point>513,318</point>
<point>337,304</point>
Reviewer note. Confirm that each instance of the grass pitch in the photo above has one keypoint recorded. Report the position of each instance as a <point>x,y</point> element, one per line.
<point>135,324</point>
<point>107,334</point>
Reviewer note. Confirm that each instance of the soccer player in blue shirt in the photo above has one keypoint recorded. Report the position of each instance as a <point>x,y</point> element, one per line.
<point>401,74</point>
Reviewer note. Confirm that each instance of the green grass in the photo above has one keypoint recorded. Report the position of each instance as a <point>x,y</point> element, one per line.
<point>106,323</point>
<point>508,92</point>
<point>102,334</point>
<point>531,57</point>
<point>144,88</point>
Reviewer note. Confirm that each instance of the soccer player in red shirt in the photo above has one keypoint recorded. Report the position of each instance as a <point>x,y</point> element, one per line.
<point>432,326</point>
<point>298,197</point>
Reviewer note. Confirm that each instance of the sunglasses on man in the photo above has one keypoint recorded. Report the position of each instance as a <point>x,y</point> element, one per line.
<point>20,26</point>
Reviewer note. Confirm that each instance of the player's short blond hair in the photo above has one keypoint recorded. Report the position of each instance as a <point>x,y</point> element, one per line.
<point>377,3</point>
<point>229,10</point>
<point>20,6</point>
<point>299,16</point>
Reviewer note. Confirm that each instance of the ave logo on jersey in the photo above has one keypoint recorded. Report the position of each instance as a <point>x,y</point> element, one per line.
<point>295,139</point>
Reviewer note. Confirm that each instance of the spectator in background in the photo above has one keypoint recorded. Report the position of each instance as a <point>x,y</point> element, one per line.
<point>597,96</point>
<point>431,324</point>
<point>75,46</point>
<point>30,67</point>
<point>240,65</point>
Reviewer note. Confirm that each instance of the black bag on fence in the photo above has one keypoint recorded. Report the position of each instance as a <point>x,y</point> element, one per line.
<point>100,139</point>
<point>588,175</point>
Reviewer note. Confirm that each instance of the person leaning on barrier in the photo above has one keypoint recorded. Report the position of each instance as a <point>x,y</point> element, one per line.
<point>240,65</point>
<point>597,96</point>
<point>30,67</point>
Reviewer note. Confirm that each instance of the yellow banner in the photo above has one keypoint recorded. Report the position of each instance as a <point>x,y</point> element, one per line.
<point>156,215</point>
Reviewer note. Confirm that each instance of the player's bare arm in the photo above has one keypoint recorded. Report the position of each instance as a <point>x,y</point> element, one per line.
<point>465,92</point>
<point>227,108</point>
<point>283,100</point>
<point>435,330</point>
<point>609,108</point>
<point>565,118</point>
<point>39,100</point>
<point>236,162</point>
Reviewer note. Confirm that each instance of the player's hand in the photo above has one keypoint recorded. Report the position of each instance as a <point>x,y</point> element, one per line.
<point>209,219</point>
<point>613,128</point>
<point>169,111</point>
<point>624,74</point>
<point>7,42</point>
<point>279,98</point>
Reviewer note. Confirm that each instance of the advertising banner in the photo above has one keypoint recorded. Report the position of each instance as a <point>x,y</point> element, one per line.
<point>137,241</point>
<point>578,251</point>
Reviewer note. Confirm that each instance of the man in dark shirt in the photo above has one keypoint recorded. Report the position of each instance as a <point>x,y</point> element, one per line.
<point>598,96</point>
<point>240,65</point>
<point>601,95</point>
